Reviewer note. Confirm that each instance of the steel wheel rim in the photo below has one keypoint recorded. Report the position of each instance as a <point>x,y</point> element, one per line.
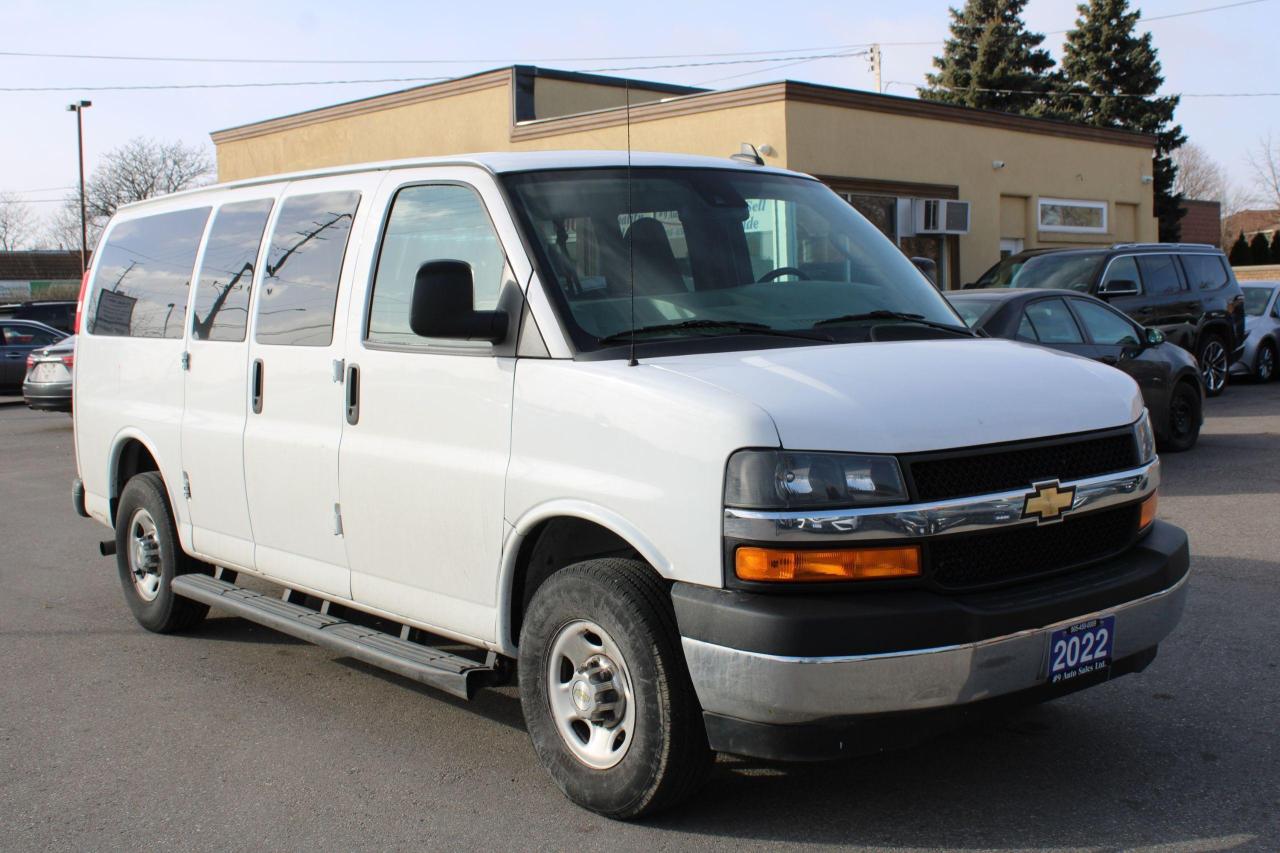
<point>590,695</point>
<point>143,544</point>
<point>1266,363</point>
<point>1213,366</point>
<point>1181,420</point>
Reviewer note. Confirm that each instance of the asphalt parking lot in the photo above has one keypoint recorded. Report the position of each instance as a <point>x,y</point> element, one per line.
<point>235,737</point>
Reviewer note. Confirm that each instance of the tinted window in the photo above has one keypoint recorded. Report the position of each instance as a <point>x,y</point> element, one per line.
<point>1204,272</point>
<point>1255,300</point>
<point>1159,274</point>
<point>1054,271</point>
<point>1026,332</point>
<point>226,272</point>
<point>973,311</point>
<point>18,335</point>
<point>431,223</point>
<point>1053,322</point>
<point>144,275</point>
<point>1123,269</point>
<point>300,283</point>
<point>1104,325</point>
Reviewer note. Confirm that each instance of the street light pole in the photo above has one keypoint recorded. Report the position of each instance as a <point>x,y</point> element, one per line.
<point>78,108</point>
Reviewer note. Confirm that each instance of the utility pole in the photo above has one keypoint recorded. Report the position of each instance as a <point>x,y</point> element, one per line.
<point>875,66</point>
<point>78,108</point>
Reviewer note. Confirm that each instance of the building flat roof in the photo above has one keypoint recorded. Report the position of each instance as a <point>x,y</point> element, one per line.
<point>682,100</point>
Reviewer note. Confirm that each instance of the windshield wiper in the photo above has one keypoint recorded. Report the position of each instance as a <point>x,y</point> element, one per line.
<point>919,319</point>
<point>728,325</point>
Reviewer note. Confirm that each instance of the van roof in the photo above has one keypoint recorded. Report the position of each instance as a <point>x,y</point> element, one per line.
<point>496,162</point>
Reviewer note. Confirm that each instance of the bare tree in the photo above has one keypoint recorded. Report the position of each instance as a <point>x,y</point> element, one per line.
<point>1265,163</point>
<point>141,168</point>
<point>1199,176</point>
<point>17,223</point>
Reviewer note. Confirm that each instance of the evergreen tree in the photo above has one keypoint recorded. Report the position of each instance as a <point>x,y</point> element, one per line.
<point>1240,255</point>
<point>1275,246</point>
<point>991,49</point>
<point>1111,75</point>
<point>1259,249</point>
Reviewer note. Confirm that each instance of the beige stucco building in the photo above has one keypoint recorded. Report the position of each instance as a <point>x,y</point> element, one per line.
<point>1027,182</point>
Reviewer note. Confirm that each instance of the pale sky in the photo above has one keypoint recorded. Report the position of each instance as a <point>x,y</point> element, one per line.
<point>1229,50</point>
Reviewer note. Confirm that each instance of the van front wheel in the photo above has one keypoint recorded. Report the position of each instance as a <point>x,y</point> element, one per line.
<point>606,696</point>
<point>149,556</point>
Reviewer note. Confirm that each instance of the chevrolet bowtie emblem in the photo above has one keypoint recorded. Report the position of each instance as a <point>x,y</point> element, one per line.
<point>1049,502</point>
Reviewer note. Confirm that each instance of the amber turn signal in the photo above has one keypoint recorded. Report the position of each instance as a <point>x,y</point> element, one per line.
<point>1148,513</point>
<point>777,564</point>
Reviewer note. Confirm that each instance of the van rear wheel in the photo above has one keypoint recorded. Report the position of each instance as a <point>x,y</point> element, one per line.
<point>606,696</point>
<point>149,556</point>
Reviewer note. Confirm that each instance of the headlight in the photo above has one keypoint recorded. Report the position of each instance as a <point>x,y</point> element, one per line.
<point>1146,438</point>
<point>781,479</point>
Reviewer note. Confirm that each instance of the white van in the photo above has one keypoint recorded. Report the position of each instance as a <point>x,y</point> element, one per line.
<point>685,441</point>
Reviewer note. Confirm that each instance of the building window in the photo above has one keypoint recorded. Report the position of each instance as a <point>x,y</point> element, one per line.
<point>1081,217</point>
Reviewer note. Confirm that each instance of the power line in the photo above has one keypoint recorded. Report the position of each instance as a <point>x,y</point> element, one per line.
<point>467,61</point>
<point>1069,94</point>
<point>147,87</point>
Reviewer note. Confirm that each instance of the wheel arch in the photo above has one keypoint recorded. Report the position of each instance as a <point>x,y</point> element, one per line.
<point>552,536</point>
<point>132,453</point>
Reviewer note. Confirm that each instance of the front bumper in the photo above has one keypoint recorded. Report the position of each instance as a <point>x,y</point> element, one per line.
<point>798,676</point>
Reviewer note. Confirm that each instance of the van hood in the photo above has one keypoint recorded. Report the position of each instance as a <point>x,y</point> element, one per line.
<point>912,396</point>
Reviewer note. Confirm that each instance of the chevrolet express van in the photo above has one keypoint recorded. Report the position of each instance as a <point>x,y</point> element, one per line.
<point>684,442</point>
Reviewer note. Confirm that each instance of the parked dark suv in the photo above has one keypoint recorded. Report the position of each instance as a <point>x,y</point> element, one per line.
<point>1186,290</point>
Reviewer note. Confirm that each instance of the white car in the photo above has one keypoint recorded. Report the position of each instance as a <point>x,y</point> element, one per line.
<point>685,440</point>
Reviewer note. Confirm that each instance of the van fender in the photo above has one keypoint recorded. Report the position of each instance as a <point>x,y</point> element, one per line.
<point>562,508</point>
<point>178,506</point>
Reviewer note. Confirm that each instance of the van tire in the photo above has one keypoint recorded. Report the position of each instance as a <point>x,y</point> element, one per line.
<point>147,543</point>
<point>664,758</point>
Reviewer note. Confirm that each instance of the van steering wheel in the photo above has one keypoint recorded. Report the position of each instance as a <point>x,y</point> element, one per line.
<point>772,275</point>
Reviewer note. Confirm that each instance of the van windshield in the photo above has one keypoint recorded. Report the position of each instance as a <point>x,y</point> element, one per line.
<point>713,252</point>
<point>1059,271</point>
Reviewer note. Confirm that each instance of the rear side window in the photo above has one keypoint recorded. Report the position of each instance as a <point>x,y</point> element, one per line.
<point>226,272</point>
<point>144,275</point>
<point>1053,323</point>
<point>300,282</point>
<point>432,223</point>
<point>1205,272</point>
<point>1124,268</point>
<point>1160,274</point>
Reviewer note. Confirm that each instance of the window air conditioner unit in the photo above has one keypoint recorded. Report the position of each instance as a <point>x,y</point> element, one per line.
<point>940,216</point>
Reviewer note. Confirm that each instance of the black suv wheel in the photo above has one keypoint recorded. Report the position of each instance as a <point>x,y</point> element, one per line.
<point>1214,363</point>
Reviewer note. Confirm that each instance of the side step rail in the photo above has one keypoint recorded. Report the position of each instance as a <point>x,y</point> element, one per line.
<point>448,672</point>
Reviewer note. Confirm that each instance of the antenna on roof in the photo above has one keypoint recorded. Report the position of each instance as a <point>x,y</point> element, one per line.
<point>631,252</point>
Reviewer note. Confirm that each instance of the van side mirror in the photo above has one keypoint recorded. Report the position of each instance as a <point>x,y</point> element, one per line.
<point>1154,336</point>
<point>1119,287</point>
<point>929,267</point>
<point>443,305</point>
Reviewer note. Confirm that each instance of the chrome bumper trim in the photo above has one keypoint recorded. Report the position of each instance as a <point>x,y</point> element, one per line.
<point>960,515</point>
<point>790,690</point>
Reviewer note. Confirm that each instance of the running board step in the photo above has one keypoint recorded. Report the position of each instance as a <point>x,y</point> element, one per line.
<point>451,673</point>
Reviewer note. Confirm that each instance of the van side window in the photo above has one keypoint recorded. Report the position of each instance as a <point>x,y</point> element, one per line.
<point>144,275</point>
<point>226,271</point>
<point>1160,274</point>
<point>1205,272</point>
<point>431,223</point>
<point>1053,322</point>
<point>1123,269</point>
<point>304,263</point>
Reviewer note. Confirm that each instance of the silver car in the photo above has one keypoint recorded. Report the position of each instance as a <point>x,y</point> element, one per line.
<point>1262,319</point>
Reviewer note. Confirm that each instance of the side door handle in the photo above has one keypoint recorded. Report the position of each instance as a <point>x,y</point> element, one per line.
<point>257,386</point>
<point>353,394</point>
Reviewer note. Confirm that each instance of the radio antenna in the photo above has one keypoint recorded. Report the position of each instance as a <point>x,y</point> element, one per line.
<point>631,234</point>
